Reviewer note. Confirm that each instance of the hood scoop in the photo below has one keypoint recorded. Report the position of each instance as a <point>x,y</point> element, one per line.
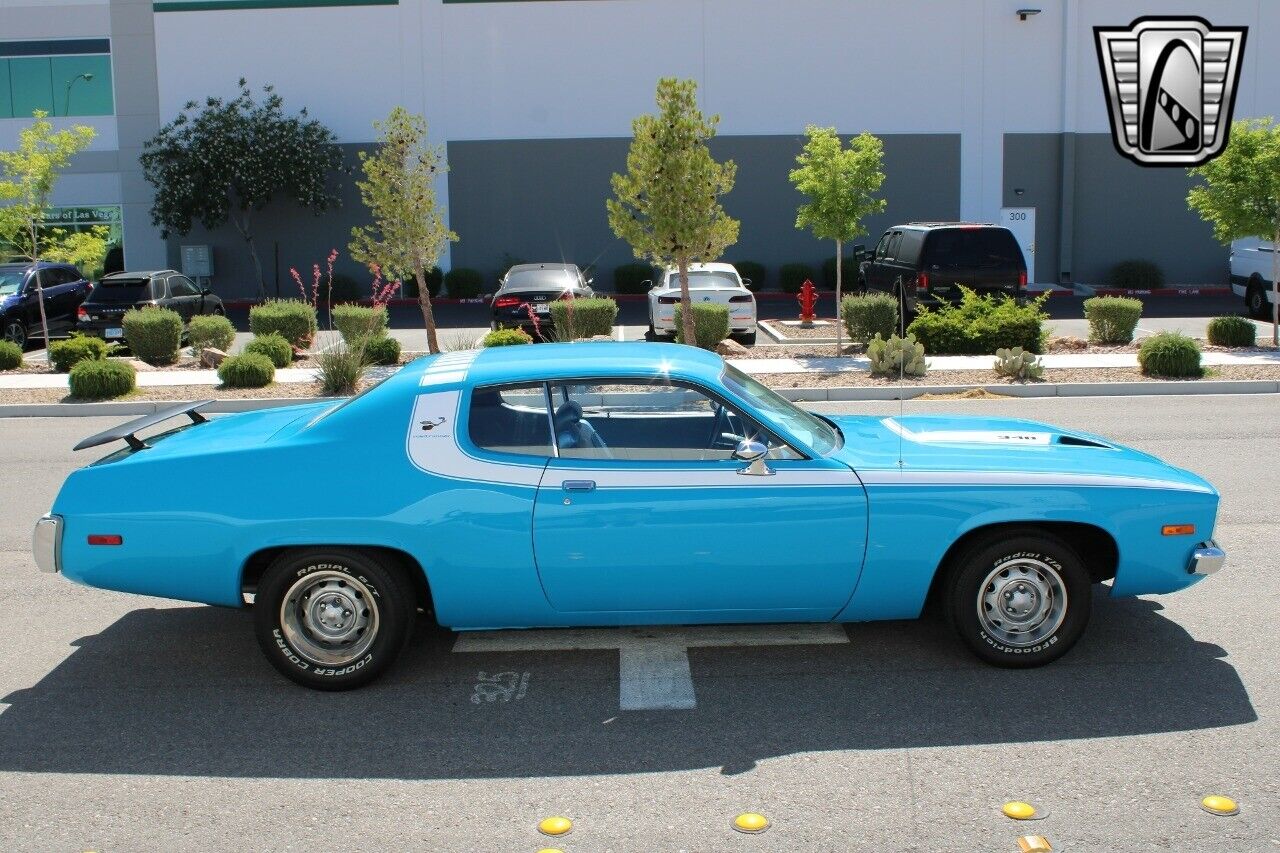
<point>1015,435</point>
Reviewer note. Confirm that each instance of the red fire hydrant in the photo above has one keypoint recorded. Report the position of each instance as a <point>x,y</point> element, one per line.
<point>808,300</point>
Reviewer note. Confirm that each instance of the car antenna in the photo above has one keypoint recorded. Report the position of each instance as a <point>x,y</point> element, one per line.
<point>902,364</point>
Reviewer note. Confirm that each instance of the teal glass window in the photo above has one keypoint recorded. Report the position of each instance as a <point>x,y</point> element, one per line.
<point>71,84</point>
<point>6,100</point>
<point>30,85</point>
<point>82,85</point>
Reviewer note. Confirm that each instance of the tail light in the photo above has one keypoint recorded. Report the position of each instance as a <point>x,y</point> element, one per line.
<point>922,281</point>
<point>668,300</point>
<point>506,302</point>
<point>1022,280</point>
<point>746,297</point>
<point>81,313</point>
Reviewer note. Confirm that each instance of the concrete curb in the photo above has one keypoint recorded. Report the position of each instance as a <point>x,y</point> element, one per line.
<point>807,395</point>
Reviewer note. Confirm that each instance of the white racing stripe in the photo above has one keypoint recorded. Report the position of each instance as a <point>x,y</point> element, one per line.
<point>653,662</point>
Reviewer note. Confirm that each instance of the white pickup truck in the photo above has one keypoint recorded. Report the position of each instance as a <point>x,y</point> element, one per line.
<point>1251,275</point>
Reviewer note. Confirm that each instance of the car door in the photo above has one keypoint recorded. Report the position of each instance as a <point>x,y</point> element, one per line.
<point>54,287</point>
<point>184,296</point>
<point>643,511</point>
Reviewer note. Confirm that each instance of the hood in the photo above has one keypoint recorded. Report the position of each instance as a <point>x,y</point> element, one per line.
<point>955,443</point>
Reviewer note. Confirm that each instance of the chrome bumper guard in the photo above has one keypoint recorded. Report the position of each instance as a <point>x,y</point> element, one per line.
<point>46,543</point>
<point>1207,559</point>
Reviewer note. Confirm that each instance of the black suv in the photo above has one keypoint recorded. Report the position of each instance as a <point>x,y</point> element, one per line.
<point>64,289</point>
<point>927,260</point>
<point>102,312</point>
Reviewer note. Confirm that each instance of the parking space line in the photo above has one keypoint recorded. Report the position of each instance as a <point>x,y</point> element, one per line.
<point>653,662</point>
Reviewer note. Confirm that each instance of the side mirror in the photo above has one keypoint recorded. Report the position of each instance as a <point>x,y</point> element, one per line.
<point>206,291</point>
<point>753,452</point>
<point>649,282</point>
<point>746,282</point>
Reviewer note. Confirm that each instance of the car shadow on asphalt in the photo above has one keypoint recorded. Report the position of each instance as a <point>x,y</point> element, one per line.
<point>185,691</point>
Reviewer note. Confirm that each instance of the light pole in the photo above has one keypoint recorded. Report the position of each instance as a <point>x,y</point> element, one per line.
<point>66,101</point>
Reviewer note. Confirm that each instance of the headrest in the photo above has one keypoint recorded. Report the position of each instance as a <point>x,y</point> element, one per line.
<point>567,415</point>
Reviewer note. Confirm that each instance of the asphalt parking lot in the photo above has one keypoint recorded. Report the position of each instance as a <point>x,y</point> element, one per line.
<point>129,723</point>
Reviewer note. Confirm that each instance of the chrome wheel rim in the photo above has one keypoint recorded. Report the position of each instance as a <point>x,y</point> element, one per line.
<point>1022,602</point>
<point>330,618</point>
<point>14,333</point>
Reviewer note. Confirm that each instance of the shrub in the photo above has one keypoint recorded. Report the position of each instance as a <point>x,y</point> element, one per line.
<point>1170,354</point>
<point>753,274</point>
<point>101,380</point>
<point>848,272</point>
<point>211,330</point>
<point>463,283</point>
<point>1140,275</point>
<point>896,356</point>
<point>1112,319</point>
<point>631,278</point>
<point>292,319</point>
<point>583,318</point>
<point>865,317</point>
<point>1230,331</point>
<point>506,338</point>
<point>11,355</point>
<point>344,288</point>
<point>274,347</point>
<point>247,370</point>
<point>1018,364</point>
<point>354,322</point>
<point>382,349</point>
<point>791,277</point>
<point>710,324</point>
<point>153,334</point>
<point>75,349</point>
<point>980,325</point>
<point>341,369</point>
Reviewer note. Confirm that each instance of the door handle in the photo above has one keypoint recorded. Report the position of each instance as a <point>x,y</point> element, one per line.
<point>578,485</point>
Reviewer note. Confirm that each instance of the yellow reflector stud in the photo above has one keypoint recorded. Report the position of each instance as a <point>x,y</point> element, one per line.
<point>550,850</point>
<point>1023,811</point>
<point>750,822</point>
<point>1034,844</point>
<point>1219,805</point>
<point>1178,530</point>
<point>555,825</point>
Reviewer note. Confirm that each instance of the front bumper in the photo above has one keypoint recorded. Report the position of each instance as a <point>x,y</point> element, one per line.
<point>46,543</point>
<point>1206,559</point>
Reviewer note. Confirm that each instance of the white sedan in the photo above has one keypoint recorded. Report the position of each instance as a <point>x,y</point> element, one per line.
<point>707,283</point>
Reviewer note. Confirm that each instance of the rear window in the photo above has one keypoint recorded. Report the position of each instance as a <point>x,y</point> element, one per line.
<point>707,280</point>
<point>978,248</point>
<point>539,280</point>
<point>122,290</point>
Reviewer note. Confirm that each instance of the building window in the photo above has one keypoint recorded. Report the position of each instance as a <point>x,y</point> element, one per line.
<point>74,219</point>
<point>71,77</point>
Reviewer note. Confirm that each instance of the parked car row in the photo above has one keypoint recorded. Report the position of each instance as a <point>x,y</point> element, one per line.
<point>74,304</point>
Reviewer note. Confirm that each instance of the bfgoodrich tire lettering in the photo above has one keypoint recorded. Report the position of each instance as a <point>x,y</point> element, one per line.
<point>1019,600</point>
<point>332,619</point>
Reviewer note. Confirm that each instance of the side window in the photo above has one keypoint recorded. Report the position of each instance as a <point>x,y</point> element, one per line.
<point>510,419</point>
<point>158,290</point>
<point>894,242</point>
<point>909,251</point>
<point>882,247</point>
<point>643,420</point>
<point>180,285</point>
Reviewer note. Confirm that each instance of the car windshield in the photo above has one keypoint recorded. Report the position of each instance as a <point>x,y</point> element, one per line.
<point>10,282</point>
<point>707,280</point>
<point>120,290</point>
<point>781,413</point>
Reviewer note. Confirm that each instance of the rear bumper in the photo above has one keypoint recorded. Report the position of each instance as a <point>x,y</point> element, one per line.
<point>46,543</point>
<point>1206,559</point>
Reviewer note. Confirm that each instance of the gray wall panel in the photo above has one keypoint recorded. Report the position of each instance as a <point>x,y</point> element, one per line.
<point>544,199</point>
<point>1032,163</point>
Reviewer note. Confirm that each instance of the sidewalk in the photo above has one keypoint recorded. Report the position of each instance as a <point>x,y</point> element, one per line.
<point>755,366</point>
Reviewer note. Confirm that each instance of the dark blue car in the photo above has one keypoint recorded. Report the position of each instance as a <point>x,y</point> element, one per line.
<point>64,289</point>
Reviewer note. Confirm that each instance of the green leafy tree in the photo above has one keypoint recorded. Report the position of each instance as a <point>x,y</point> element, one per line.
<point>229,159</point>
<point>840,185</point>
<point>408,234</point>
<point>27,178</point>
<point>667,205</point>
<point>1239,194</point>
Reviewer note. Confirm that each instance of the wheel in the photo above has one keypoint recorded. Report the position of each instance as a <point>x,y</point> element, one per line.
<point>1255,300</point>
<point>747,338</point>
<point>1019,600</point>
<point>219,312</point>
<point>16,332</point>
<point>332,619</point>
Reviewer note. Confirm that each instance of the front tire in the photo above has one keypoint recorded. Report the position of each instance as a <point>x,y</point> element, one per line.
<point>15,331</point>
<point>1019,600</point>
<point>332,619</point>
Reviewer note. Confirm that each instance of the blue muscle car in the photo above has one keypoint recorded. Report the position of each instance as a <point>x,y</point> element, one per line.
<point>616,484</point>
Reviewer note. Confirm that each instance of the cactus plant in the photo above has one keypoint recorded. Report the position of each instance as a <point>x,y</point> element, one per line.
<point>1018,364</point>
<point>896,356</point>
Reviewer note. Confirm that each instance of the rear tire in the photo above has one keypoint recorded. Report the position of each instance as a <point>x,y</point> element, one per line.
<point>1255,301</point>
<point>747,339</point>
<point>332,618</point>
<point>1021,599</point>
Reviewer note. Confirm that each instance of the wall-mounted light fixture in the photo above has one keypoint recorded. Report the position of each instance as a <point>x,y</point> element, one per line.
<point>1018,191</point>
<point>1023,14</point>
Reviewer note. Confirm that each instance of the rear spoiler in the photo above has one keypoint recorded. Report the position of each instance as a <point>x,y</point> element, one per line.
<point>127,431</point>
